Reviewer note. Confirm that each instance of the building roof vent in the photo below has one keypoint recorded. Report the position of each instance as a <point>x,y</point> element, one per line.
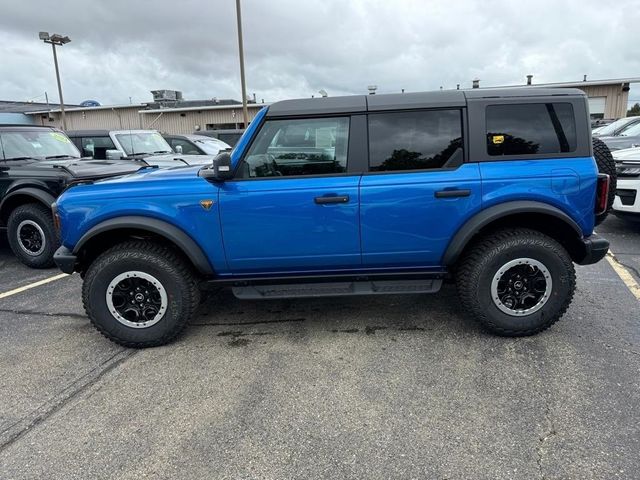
<point>165,96</point>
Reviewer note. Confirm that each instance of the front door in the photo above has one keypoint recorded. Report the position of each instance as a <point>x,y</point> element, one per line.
<point>293,206</point>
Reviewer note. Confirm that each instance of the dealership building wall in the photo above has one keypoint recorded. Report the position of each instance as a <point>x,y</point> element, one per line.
<point>607,98</point>
<point>167,120</point>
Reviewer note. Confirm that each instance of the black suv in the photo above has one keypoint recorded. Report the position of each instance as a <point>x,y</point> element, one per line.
<point>36,165</point>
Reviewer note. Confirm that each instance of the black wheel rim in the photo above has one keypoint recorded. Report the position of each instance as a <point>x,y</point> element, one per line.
<point>521,287</point>
<point>136,299</point>
<point>31,238</point>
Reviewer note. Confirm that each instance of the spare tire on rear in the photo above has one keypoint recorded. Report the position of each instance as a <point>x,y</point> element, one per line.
<point>607,165</point>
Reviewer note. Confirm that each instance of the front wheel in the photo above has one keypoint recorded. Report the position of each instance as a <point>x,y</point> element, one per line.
<point>516,282</point>
<point>140,294</point>
<point>32,236</point>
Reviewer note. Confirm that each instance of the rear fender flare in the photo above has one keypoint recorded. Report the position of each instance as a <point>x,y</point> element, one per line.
<point>485,217</point>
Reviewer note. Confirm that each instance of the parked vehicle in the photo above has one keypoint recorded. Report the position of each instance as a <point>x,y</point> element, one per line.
<point>36,165</point>
<point>497,190</point>
<point>627,202</point>
<point>229,136</point>
<point>627,138</point>
<point>599,123</point>
<point>615,128</point>
<point>136,145</point>
<point>196,144</point>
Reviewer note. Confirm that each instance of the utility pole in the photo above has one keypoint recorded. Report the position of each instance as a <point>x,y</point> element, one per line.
<point>59,40</point>
<point>245,112</point>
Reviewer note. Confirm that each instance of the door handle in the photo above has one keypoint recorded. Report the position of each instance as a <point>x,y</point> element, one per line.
<point>452,193</point>
<point>332,199</point>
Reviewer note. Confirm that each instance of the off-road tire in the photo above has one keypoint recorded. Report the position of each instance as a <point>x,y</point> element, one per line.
<point>485,257</point>
<point>606,164</point>
<point>42,216</point>
<point>174,273</point>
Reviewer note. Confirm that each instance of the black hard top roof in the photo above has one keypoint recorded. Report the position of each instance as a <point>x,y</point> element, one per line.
<point>188,136</point>
<point>401,101</point>
<point>87,133</point>
<point>22,126</point>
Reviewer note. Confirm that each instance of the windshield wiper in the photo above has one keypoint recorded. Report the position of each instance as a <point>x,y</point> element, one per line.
<point>163,151</point>
<point>59,156</point>
<point>22,158</point>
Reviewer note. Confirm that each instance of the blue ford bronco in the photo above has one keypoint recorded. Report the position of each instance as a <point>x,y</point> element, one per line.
<point>497,190</point>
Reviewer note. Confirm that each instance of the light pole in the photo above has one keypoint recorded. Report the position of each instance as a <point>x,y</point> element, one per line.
<point>59,40</point>
<point>245,112</point>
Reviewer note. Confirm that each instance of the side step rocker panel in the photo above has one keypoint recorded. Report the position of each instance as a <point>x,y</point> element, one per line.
<point>336,289</point>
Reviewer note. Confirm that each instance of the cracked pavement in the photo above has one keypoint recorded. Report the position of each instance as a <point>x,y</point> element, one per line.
<point>364,387</point>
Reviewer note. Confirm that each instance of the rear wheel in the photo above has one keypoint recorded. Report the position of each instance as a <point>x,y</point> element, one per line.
<point>140,294</point>
<point>606,164</point>
<point>516,282</point>
<point>32,236</point>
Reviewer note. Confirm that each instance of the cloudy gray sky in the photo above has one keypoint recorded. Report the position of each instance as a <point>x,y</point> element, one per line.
<point>293,48</point>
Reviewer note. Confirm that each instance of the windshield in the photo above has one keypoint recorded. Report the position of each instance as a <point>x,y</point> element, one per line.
<point>612,127</point>
<point>143,142</point>
<point>211,146</point>
<point>37,144</point>
<point>632,131</point>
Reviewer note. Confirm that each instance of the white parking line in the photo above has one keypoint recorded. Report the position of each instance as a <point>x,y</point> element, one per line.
<point>33,285</point>
<point>624,275</point>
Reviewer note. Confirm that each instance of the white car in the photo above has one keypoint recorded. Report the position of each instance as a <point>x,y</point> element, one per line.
<point>627,201</point>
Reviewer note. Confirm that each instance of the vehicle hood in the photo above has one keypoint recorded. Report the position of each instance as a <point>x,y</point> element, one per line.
<point>177,160</point>
<point>620,141</point>
<point>627,154</point>
<point>88,169</point>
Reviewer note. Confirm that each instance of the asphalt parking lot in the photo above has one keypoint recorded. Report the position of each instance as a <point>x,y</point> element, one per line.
<point>384,387</point>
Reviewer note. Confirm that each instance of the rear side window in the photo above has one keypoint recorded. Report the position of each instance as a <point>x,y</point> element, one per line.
<point>530,129</point>
<point>417,140</point>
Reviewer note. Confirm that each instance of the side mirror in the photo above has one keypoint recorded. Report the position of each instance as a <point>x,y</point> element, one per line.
<point>220,169</point>
<point>114,155</point>
<point>178,148</point>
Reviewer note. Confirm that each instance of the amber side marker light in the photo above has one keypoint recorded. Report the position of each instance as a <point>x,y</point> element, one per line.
<point>56,218</point>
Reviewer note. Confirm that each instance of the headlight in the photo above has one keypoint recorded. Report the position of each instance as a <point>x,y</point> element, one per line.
<point>626,170</point>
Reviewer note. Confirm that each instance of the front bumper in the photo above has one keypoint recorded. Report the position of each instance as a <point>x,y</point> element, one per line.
<point>595,248</point>
<point>65,260</point>
<point>627,199</point>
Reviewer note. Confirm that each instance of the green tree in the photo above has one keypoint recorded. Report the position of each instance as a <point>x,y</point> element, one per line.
<point>634,111</point>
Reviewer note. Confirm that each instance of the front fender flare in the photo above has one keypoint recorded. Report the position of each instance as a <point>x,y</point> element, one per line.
<point>491,214</point>
<point>166,230</point>
<point>40,195</point>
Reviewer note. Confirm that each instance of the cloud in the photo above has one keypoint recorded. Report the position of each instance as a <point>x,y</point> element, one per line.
<point>123,49</point>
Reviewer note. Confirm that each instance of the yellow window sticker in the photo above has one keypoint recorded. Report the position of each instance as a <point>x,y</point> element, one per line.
<point>498,139</point>
<point>60,137</point>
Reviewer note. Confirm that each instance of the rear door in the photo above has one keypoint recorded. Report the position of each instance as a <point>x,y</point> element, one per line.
<point>294,204</point>
<point>419,190</point>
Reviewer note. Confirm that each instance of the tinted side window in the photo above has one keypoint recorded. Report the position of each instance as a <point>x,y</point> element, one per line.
<point>414,140</point>
<point>529,129</point>
<point>230,138</point>
<point>188,148</point>
<point>97,147</point>
<point>316,146</point>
